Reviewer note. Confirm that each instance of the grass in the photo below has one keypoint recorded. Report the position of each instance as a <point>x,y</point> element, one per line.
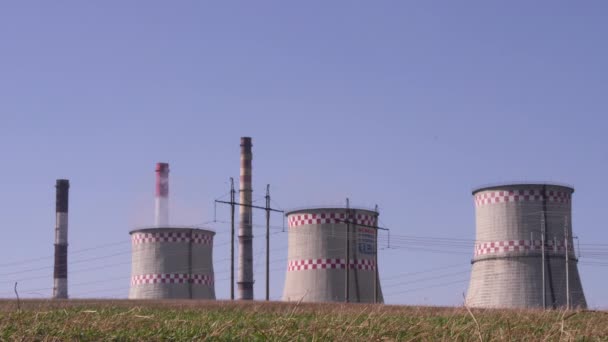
<point>108,320</point>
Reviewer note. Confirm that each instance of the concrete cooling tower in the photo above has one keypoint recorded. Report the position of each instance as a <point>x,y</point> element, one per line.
<point>172,263</point>
<point>317,254</point>
<point>524,255</point>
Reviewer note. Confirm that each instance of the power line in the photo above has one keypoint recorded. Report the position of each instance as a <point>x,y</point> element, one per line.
<point>428,287</point>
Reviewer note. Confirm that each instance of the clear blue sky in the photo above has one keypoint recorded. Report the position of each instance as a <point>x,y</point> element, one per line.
<point>408,105</point>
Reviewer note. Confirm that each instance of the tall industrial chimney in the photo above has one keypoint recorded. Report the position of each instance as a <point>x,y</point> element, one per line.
<point>161,214</point>
<point>60,274</point>
<point>245,277</point>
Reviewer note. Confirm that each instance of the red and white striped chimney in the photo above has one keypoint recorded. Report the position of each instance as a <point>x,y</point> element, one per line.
<point>161,213</point>
<point>245,276</point>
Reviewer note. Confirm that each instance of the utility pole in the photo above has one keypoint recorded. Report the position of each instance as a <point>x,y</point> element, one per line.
<point>347,263</point>
<point>566,237</point>
<point>268,209</point>
<point>542,248</point>
<point>190,263</point>
<point>555,244</point>
<point>232,195</point>
<point>376,258</point>
<point>267,242</point>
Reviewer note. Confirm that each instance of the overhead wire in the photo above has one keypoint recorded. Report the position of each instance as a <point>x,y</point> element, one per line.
<point>594,251</point>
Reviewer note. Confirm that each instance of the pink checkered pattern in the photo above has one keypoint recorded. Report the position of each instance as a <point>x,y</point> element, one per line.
<point>324,264</point>
<point>201,279</point>
<point>328,218</point>
<point>204,239</point>
<point>497,247</point>
<point>172,278</point>
<point>137,238</point>
<point>528,195</point>
<point>363,264</point>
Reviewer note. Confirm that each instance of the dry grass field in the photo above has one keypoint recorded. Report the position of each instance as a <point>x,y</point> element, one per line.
<point>122,320</point>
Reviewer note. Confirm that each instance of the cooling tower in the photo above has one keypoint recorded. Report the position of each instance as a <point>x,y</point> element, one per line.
<point>317,254</point>
<point>524,255</point>
<point>172,263</point>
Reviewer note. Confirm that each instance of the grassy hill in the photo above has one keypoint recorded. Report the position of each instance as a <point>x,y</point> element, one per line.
<point>221,320</point>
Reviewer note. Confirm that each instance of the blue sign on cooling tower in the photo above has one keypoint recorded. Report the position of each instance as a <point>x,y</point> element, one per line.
<point>366,241</point>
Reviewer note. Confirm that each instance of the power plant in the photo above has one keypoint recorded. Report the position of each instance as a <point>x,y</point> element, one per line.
<point>332,256</point>
<point>524,255</point>
<point>60,273</point>
<point>170,262</point>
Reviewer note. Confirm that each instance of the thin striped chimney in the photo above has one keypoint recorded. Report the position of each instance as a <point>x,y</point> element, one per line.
<point>60,274</point>
<point>245,276</point>
<point>161,213</point>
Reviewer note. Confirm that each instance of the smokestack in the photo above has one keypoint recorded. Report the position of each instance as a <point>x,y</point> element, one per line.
<point>60,274</point>
<point>161,214</point>
<point>245,277</point>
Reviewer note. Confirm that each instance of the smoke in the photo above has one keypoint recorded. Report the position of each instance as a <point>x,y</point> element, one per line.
<point>186,212</point>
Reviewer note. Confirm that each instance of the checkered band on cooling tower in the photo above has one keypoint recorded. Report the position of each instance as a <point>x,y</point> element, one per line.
<point>497,247</point>
<point>172,278</point>
<point>296,220</point>
<point>197,238</point>
<point>324,264</point>
<point>523,195</point>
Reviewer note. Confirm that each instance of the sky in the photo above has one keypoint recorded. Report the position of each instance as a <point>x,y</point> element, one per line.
<point>405,104</point>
